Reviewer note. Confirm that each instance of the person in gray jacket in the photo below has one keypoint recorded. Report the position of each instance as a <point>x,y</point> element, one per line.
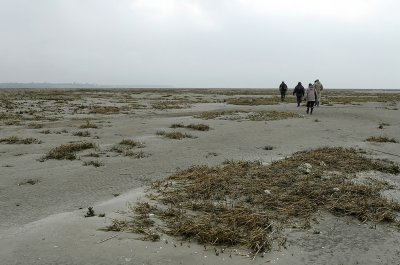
<point>299,91</point>
<point>311,96</point>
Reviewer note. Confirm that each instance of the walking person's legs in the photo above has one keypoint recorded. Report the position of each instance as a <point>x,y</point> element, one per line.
<point>298,100</point>
<point>310,107</point>
<point>319,97</point>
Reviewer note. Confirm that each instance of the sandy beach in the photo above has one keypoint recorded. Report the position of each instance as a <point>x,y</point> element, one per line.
<point>43,201</point>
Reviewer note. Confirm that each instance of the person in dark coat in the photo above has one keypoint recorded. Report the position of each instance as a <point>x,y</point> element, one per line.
<point>283,90</point>
<point>299,91</point>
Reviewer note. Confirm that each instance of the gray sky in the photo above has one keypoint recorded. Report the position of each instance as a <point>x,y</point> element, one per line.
<point>202,43</point>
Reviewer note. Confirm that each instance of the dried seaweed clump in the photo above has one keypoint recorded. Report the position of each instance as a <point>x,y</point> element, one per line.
<point>170,104</point>
<point>197,127</point>
<point>174,135</point>
<point>253,101</point>
<point>248,204</point>
<point>124,147</point>
<point>104,109</point>
<point>381,139</point>
<point>141,224</point>
<point>88,125</point>
<point>17,140</point>
<point>272,115</point>
<point>67,151</point>
<point>244,115</point>
<point>348,97</point>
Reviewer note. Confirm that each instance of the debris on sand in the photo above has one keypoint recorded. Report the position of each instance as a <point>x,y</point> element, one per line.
<point>305,168</point>
<point>90,212</point>
<point>249,204</point>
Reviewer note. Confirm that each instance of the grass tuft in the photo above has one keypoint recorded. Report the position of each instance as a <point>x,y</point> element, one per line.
<point>28,181</point>
<point>93,163</point>
<point>268,147</point>
<point>88,125</point>
<point>131,143</point>
<point>142,224</point>
<point>253,101</point>
<point>381,139</point>
<point>136,155</point>
<point>82,134</point>
<point>174,135</point>
<point>17,140</point>
<point>35,125</point>
<point>244,115</point>
<point>68,151</point>
<point>168,104</point>
<point>104,109</point>
<point>197,127</point>
<point>124,147</point>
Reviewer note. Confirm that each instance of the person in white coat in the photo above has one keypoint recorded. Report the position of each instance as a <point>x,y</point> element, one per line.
<point>318,89</point>
<point>311,96</point>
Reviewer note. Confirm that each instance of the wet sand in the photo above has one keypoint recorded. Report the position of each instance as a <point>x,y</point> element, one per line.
<point>44,223</point>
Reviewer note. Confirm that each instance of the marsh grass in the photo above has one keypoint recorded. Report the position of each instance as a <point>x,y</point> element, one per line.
<point>35,125</point>
<point>268,147</point>
<point>93,155</point>
<point>177,125</point>
<point>104,110</point>
<point>209,115</point>
<point>12,122</point>
<point>88,125</point>
<point>124,147</point>
<point>28,182</point>
<point>174,135</point>
<point>131,143</point>
<point>67,151</point>
<point>82,134</point>
<point>96,163</point>
<point>136,155</point>
<point>45,131</point>
<point>197,127</point>
<point>11,116</point>
<point>17,140</point>
<point>211,154</point>
<point>249,204</point>
<point>381,139</point>
<point>6,103</point>
<point>169,104</point>
<point>253,101</point>
<point>142,224</point>
<point>271,115</point>
<point>248,115</point>
<point>356,98</point>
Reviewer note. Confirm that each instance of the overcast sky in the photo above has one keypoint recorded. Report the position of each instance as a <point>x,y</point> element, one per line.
<point>202,43</point>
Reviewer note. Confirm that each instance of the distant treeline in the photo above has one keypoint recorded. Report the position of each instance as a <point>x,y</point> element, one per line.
<point>74,85</point>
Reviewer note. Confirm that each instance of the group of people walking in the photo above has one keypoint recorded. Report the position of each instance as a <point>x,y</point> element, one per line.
<point>312,94</point>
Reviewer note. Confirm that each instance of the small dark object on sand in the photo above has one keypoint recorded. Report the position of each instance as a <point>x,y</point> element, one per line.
<point>90,212</point>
